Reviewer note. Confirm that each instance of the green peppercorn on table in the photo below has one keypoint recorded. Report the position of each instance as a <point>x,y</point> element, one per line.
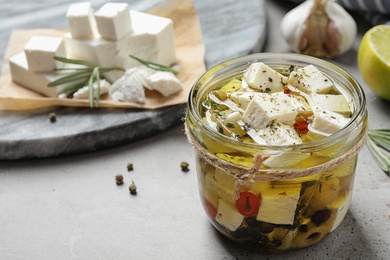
<point>70,207</point>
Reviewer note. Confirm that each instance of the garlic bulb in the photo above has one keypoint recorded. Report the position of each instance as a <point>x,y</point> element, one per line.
<point>319,28</point>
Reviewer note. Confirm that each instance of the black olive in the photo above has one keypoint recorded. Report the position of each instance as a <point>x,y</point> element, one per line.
<point>321,216</point>
<point>314,236</point>
<point>265,227</point>
<point>303,228</point>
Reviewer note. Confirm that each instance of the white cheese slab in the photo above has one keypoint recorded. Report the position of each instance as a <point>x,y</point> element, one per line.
<point>40,52</point>
<point>335,103</point>
<point>35,81</point>
<point>228,216</point>
<point>262,77</point>
<point>278,205</point>
<point>81,21</point>
<point>329,122</point>
<point>309,79</point>
<point>113,21</point>
<point>264,108</point>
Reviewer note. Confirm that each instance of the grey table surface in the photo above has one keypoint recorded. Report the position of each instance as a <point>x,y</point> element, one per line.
<point>69,207</point>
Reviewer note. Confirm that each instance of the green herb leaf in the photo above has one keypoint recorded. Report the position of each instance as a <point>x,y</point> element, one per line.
<point>154,66</point>
<point>378,142</point>
<point>73,61</point>
<point>79,77</point>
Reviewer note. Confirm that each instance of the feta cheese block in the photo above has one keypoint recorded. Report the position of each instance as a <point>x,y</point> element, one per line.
<point>35,81</point>
<point>329,122</point>
<point>309,79</point>
<point>279,134</point>
<point>152,39</point>
<point>242,99</point>
<point>83,93</point>
<point>128,88</point>
<point>113,21</point>
<point>164,82</point>
<point>91,50</point>
<point>260,76</point>
<point>40,52</point>
<point>81,21</point>
<point>298,102</point>
<point>335,103</point>
<point>285,160</point>
<point>264,108</point>
<point>278,204</point>
<point>221,190</point>
<point>228,216</point>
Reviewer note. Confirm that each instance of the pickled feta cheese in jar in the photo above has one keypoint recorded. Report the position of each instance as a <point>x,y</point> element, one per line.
<point>276,138</point>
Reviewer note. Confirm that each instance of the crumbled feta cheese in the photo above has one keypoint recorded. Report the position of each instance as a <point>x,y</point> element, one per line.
<point>83,93</point>
<point>164,82</point>
<point>128,88</point>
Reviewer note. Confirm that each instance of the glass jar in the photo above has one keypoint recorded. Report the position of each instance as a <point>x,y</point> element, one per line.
<point>289,205</point>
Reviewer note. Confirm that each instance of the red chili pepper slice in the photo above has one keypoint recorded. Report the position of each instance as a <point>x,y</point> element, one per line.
<point>248,203</point>
<point>301,127</point>
<point>210,209</point>
<point>286,90</point>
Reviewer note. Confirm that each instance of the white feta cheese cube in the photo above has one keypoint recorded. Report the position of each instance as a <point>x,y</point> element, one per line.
<point>152,39</point>
<point>335,103</point>
<point>298,102</point>
<point>265,108</point>
<point>285,160</point>
<point>91,50</point>
<point>260,76</point>
<point>278,205</point>
<point>227,179</point>
<point>164,82</point>
<point>83,93</point>
<point>279,134</point>
<point>329,122</point>
<point>128,88</point>
<point>40,52</point>
<point>113,21</point>
<point>228,216</point>
<point>309,79</point>
<point>35,81</point>
<point>81,21</point>
<point>242,99</point>
<point>222,191</point>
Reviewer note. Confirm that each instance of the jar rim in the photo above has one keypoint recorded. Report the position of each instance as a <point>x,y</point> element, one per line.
<point>284,58</point>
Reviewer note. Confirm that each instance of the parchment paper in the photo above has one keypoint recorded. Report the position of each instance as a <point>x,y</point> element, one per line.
<point>189,52</point>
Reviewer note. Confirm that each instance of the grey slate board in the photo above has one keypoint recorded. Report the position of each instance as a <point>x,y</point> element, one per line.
<point>230,28</point>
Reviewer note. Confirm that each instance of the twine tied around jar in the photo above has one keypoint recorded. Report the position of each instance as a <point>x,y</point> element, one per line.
<point>243,174</point>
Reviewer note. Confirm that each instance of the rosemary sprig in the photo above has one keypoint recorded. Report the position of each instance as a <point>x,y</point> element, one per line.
<point>82,76</point>
<point>154,66</point>
<point>378,142</point>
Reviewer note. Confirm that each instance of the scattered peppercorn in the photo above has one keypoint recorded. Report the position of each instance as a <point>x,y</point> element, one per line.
<point>184,166</point>
<point>130,167</point>
<point>119,179</point>
<point>133,188</point>
<point>53,117</point>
